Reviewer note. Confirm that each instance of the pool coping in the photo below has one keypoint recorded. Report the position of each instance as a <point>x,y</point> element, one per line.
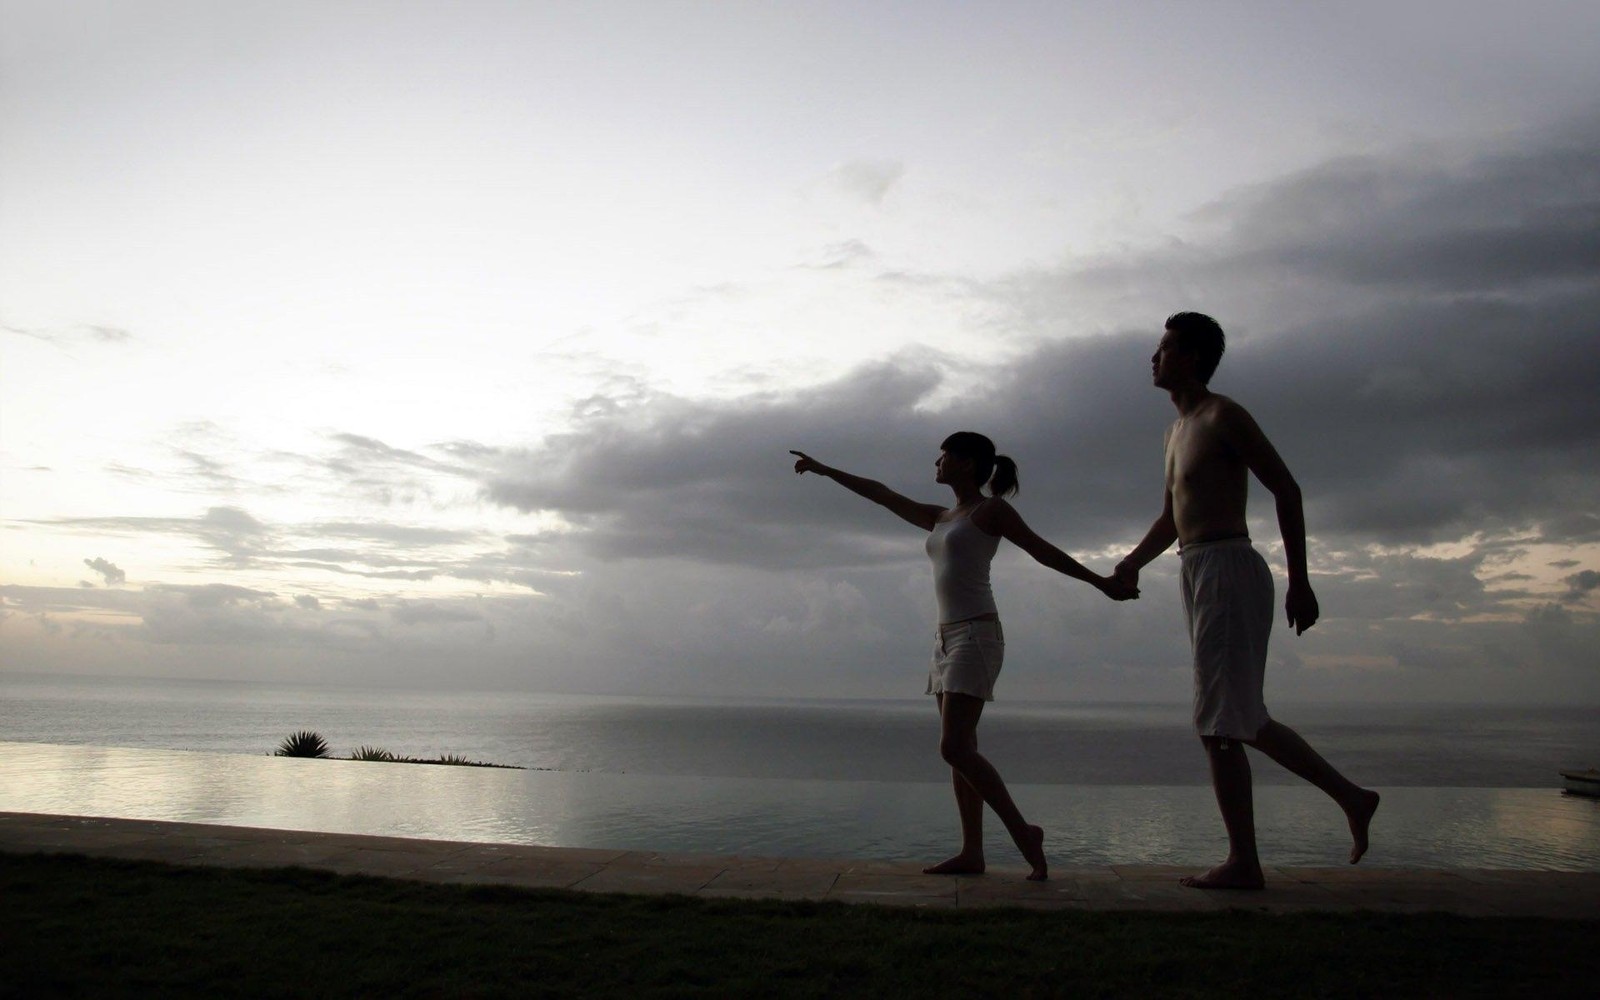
<point>1467,892</point>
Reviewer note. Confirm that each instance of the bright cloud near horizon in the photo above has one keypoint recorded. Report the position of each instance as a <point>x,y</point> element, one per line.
<point>463,344</point>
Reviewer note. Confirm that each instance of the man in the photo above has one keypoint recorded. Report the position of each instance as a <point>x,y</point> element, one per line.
<point>1227,591</point>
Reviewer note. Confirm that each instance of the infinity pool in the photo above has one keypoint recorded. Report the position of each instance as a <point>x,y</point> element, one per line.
<point>1087,825</point>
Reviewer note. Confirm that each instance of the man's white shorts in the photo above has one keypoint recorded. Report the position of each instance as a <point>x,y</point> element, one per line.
<point>1227,599</point>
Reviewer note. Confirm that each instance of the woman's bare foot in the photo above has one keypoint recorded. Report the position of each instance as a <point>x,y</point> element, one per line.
<point>1033,854</point>
<point>961,864</point>
<point>1360,816</point>
<point>1228,875</point>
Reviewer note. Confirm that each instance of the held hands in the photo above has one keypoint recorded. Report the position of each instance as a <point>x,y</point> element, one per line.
<point>1118,588</point>
<point>1301,607</point>
<point>1127,575</point>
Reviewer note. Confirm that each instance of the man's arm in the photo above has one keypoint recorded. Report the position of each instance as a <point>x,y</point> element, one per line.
<point>1241,433</point>
<point>1163,532</point>
<point>923,515</point>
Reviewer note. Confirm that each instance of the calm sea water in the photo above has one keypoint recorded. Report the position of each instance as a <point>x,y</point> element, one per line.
<point>1061,743</point>
<point>1464,786</point>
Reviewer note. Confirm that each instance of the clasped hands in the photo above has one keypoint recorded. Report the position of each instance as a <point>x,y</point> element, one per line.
<point>1120,585</point>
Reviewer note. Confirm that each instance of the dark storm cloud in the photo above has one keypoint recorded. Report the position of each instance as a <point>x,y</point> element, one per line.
<point>671,476</point>
<point>1429,376</point>
<point>1496,222</point>
<point>1432,421</point>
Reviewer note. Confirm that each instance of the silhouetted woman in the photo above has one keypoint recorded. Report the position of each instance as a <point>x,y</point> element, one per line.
<point>969,645</point>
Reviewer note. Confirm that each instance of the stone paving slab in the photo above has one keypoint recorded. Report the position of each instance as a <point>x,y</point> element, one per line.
<point>1469,892</point>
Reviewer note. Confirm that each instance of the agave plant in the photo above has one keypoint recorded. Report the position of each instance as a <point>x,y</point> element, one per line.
<point>302,744</point>
<point>371,753</point>
<point>454,758</point>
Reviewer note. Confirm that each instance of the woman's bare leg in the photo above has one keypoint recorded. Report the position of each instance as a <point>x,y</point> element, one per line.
<point>958,745</point>
<point>969,804</point>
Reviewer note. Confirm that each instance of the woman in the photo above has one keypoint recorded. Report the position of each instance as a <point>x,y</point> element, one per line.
<point>969,644</point>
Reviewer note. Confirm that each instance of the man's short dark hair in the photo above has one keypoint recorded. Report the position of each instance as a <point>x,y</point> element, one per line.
<point>1200,335</point>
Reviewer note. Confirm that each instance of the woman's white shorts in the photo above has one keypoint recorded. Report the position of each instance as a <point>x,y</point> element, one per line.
<point>966,659</point>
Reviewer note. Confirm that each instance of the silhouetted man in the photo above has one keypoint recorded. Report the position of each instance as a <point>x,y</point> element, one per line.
<point>1211,449</point>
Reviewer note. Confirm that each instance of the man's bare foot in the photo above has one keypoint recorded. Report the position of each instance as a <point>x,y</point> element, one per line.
<point>961,864</point>
<point>1228,875</point>
<point>1033,854</point>
<point>1360,817</point>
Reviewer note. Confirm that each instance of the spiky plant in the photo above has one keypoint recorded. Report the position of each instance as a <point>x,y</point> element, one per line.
<point>455,758</point>
<point>303,744</point>
<point>371,753</point>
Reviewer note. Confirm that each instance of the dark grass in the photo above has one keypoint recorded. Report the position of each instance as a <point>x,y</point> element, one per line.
<point>78,927</point>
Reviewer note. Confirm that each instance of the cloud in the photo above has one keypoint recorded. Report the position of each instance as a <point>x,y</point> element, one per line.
<point>230,531</point>
<point>213,595</point>
<point>1496,222</point>
<point>671,476</point>
<point>65,338</point>
<point>1439,397</point>
<point>868,181</point>
<point>373,550</point>
<point>307,602</point>
<point>838,256</point>
<point>1434,400</point>
<point>1392,442</point>
<point>108,572</point>
<point>431,612</point>
<point>1584,582</point>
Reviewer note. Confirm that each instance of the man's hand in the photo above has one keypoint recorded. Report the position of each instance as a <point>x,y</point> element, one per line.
<point>805,463</point>
<point>1118,588</point>
<point>1127,575</point>
<point>1301,606</point>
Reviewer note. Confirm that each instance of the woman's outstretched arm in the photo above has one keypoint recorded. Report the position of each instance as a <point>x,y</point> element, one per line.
<point>923,515</point>
<point>1003,520</point>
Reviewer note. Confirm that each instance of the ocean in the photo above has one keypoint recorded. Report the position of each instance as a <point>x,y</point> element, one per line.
<point>1464,786</point>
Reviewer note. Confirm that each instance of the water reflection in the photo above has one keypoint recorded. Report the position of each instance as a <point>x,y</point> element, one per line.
<point>1088,825</point>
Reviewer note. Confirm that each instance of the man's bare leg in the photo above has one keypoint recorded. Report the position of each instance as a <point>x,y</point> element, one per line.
<point>1288,748</point>
<point>1230,779</point>
<point>958,745</point>
<point>969,805</point>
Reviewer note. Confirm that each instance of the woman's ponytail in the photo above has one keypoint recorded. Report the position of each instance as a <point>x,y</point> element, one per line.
<point>1004,481</point>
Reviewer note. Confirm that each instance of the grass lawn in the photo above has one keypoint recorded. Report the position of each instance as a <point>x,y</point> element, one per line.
<point>74,926</point>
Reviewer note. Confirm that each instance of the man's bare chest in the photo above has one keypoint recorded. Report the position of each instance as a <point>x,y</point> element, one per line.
<point>1196,453</point>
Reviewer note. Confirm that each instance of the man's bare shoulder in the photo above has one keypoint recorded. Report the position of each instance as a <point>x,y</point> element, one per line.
<point>1225,412</point>
<point>1218,404</point>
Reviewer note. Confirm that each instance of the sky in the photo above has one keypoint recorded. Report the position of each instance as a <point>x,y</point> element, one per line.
<point>462,345</point>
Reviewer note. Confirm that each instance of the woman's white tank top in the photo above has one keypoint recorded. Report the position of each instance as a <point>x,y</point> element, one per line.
<point>961,552</point>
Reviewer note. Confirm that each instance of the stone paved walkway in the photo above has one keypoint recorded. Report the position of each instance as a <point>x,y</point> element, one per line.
<point>1573,895</point>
